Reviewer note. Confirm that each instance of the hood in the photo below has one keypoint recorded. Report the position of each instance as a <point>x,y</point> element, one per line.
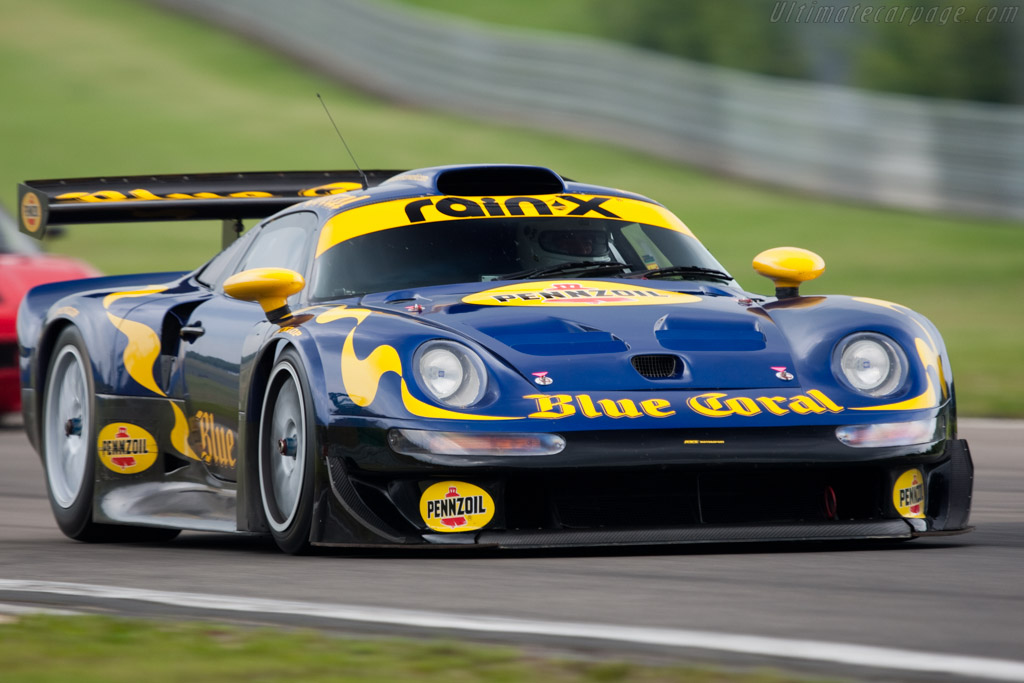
<point>584,335</point>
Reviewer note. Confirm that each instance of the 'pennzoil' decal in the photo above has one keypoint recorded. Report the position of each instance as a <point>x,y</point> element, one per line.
<point>31,212</point>
<point>577,293</point>
<point>126,448</point>
<point>456,506</point>
<point>908,494</point>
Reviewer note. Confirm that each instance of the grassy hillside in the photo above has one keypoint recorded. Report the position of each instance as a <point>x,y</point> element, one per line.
<point>101,87</point>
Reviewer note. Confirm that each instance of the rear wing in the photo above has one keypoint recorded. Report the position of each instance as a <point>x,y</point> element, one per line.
<point>229,197</point>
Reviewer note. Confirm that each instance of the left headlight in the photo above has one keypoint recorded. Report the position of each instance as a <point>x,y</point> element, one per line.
<point>870,363</point>
<point>451,373</point>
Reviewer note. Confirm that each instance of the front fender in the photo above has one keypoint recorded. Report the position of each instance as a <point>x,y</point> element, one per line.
<point>814,325</point>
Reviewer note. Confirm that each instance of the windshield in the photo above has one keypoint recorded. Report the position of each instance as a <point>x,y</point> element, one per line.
<point>451,252</point>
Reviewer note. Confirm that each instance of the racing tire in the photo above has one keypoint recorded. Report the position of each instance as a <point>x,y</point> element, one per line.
<point>287,453</point>
<point>68,447</point>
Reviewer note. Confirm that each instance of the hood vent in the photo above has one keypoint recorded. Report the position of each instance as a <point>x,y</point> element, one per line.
<point>478,181</point>
<point>657,366</point>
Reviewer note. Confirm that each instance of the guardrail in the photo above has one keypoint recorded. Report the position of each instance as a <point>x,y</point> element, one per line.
<point>903,151</point>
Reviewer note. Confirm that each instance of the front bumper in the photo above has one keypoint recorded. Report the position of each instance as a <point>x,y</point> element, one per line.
<point>645,488</point>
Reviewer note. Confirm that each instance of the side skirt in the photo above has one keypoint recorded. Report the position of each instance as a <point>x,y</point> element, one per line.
<point>147,474</point>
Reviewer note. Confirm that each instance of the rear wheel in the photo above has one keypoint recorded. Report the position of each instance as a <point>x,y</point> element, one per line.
<point>69,447</point>
<point>286,455</point>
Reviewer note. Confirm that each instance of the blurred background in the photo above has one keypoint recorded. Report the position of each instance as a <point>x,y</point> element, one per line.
<point>888,138</point>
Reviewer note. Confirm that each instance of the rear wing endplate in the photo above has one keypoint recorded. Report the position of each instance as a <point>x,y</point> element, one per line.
<point>229,197</point>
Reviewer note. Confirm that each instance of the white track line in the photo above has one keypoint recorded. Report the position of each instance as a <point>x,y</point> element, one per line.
<point>21,610</point>
<point>838,653</point>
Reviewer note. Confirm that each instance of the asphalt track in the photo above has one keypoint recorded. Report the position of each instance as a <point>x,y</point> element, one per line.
<point>943,598</point>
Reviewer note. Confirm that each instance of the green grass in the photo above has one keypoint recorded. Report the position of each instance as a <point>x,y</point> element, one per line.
<point>95,87</point>
<point>44,649</point>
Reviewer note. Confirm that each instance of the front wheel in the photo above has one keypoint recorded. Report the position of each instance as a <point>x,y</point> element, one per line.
<point>286,455</point>
<point>69,447</point>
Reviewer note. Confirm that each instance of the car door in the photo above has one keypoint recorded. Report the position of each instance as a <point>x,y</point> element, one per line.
<point>214,336</point>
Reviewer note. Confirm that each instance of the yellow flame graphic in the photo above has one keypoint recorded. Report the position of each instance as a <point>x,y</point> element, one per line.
<point>143,347</point>
<point>928,352</point>
<point>179,434</point>
<point>362,376</point>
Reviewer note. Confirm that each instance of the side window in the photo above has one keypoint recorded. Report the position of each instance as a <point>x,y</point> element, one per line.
<point>217,268</point>
<point>282,243</point>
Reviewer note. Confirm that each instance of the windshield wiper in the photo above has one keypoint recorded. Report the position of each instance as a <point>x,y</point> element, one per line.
<point>585,268</point>
<point>684,273</point>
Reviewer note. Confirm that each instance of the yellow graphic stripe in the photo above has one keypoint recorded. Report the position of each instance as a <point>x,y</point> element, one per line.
<point>881,302</point>
<point>330,189</point>
<point>152,289</point>
<point>396,213</point>
<point>336,313</point>
<point>928,399</point>
<point>928,352</point>
<point>141,351</point>
<point>421,409</point>
<point>179,434</point>
<point>931,396</point>
<point>362,376</point>
<point>143,347</point>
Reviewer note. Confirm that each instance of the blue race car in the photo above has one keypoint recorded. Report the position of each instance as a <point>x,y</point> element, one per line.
<point>487,355</point>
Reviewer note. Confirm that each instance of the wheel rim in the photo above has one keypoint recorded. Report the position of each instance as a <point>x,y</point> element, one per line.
<point>282,448</point>
<point>66,430</point>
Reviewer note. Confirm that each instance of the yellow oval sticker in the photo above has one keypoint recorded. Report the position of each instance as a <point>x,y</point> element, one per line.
<point>126,448</point>
<point>577,293</point>
<point>449,506</point>
<point>908,494</point>
<point>31,212</point>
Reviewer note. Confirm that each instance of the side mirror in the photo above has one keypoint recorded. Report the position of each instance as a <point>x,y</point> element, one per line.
<point>271,287</point>
<point>788,267</point>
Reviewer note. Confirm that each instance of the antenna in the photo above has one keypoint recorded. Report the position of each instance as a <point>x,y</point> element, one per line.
<point>366,181</point>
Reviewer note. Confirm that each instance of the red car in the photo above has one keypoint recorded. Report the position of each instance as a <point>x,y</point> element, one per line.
<point>22,267</point>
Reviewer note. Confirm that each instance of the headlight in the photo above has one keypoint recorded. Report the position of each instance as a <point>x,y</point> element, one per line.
<point>451,373</point>
<point>423,442</point>
<point>890,434</point>
<point>870,363</point>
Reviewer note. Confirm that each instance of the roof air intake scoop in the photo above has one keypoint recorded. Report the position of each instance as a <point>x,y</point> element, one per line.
<point>478,181</point>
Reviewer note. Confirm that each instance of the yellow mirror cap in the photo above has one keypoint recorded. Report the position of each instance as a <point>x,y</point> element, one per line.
<point>789,266</point>
<point>259,284</point>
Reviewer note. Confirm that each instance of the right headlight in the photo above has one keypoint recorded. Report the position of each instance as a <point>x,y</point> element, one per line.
<point>450,373</point>
<point>870,363</point>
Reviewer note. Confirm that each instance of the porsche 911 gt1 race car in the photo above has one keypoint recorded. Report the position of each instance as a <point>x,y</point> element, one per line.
<point>486,355</point>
